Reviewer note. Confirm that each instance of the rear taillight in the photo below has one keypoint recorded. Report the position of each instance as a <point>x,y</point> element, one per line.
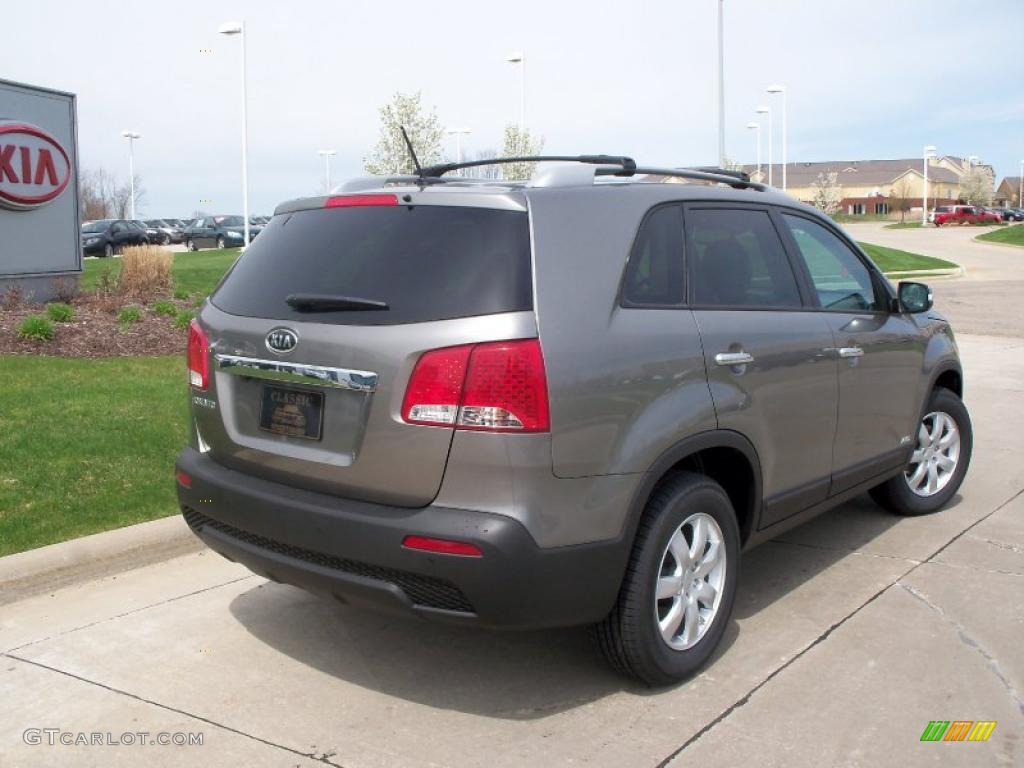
<point>355,201</point>
<point>442,546</point>
<point>198,360</point>
<point>497,386</point>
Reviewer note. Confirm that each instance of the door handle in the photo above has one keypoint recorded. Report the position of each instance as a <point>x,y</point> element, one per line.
<point>733,358</point>
<point>851,352</point>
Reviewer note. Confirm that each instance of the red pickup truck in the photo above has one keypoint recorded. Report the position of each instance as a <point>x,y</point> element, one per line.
<point>963,214</point>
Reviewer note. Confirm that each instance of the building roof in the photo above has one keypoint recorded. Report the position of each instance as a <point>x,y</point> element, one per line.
<point>854,172</point>
<point>1012,184</point>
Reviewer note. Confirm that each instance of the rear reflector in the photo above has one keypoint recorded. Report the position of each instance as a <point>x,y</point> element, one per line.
<point>355,201</point>
<point>198,359</point>
<point>497,386</point>
<point>442,546</point>
<point>184,478</point>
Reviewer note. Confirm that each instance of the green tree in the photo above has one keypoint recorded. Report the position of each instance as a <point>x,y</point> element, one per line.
<point>519,143</point>
<point>391,156</point>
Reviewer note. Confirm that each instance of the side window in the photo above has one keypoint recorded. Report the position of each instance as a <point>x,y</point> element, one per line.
<point>841,280</point>
<point>654,275</point>
<point>737,260</point>
<point>117,228</point>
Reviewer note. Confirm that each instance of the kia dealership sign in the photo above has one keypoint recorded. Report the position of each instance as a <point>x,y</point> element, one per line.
<point>39,218</point>
<point>34,167</point>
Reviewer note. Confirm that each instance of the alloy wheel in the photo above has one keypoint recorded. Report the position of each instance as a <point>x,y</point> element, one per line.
<point>689,590</point>
<point>935,458</point>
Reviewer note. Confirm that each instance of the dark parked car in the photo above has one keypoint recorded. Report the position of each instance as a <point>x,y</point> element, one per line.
<point>559,403</point>
<point>105,237</point>
<point>171,232</point>
<point>218,232</point>
<point>1009,214</point>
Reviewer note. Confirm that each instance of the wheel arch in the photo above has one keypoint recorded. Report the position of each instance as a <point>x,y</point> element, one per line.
<point>725,456</point>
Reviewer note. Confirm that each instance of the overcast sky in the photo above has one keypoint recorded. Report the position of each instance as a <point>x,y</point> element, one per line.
<point>866,79</point>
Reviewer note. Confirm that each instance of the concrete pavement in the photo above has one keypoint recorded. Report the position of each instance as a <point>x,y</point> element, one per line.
<point>850,634</point>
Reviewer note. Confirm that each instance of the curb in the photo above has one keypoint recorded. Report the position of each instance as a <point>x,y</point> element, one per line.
<point>947,272</point>
<point>93,557</point>
<point>976,239</point>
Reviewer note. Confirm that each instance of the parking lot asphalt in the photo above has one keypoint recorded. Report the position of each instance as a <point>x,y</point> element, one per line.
<point>850,634</point>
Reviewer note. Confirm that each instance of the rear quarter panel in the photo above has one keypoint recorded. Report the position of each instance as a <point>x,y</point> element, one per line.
<point>624,384</point>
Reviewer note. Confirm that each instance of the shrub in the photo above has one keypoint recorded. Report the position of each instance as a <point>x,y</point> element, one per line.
<point>183,318</point>
<point>60,312</point>
<point>165,307</point>
<point>145,271</point>
<point>64,289</point>
<point>129,315</point>
<point>36,327</point>
<point>106,291</point>
<point>14,296</point>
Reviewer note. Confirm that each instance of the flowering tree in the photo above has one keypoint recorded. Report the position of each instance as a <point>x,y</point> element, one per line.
<point>976,186</point>
<point>827,192</point>
<point>519,143</point>
<point>391,156</point>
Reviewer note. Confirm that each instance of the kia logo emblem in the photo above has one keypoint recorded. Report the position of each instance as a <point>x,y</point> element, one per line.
<point>282,340</point>
<point>34,168</point>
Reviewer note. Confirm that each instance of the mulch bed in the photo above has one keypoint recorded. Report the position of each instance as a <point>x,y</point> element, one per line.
<point>95,332</point>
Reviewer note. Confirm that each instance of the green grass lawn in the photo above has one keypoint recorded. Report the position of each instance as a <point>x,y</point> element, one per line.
<point>87,445</point>
<point>895,260</point>
<point>904,225</point>
<point>193,272</point>
<point>1013,235</point>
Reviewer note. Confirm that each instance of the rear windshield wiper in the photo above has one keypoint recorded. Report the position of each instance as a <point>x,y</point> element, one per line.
<point>325,302</point>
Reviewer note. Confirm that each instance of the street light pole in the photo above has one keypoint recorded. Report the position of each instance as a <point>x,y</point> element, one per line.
<point>768,111</point>
<point>929,153</point>
<point>1020,189</point>
<point>721,84</point>
<point>327,154</point>
<point>756,127</point>
<point>458,134</point>
<point>238,28</point>
<point>131,136</point>
<point>520,59</point>
<point>773,89</point>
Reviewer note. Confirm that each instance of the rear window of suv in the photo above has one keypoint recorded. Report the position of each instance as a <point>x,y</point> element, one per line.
<point>425,262</point>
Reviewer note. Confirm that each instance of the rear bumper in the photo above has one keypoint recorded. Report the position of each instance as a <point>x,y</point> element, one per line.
<point>352,550</point>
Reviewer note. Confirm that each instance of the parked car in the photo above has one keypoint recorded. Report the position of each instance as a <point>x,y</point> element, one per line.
<point>1009,214</point>
<point>1018,213</point>
<point>962,214</point>
<point>988,215</point>
<point>407,412</point>
<point>106,237</point>
<point>153,235</point>
<point>218,232</point>
<point>169,228</point>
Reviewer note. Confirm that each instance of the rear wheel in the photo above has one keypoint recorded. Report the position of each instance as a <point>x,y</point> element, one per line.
<point>190,245</point>
<point>939,462</point>
<point>680,585</point>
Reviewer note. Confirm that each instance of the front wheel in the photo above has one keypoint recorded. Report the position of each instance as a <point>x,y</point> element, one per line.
<point>678,592</point>
<point>220,241</point>
<point>939,462</point>
<point>191,245</point>
<point>108,250</point>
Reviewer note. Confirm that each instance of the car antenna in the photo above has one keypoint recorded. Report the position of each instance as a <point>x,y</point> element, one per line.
<point>412,152</point>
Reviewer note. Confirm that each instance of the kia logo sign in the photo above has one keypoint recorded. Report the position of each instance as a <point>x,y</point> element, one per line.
<point>282,340</point>
<point>34,168</point>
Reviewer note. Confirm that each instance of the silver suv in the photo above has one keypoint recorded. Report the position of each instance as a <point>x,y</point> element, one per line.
<point>567,401</point>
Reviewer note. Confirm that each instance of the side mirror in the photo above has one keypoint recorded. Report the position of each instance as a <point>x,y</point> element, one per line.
<point>914,297</point>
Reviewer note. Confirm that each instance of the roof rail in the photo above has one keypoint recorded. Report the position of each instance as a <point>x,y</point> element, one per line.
<point>626,165</point>
<point>734,179</point>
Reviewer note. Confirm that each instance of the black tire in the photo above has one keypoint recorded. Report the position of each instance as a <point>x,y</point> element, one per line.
<point>190,245</point>
<point>629,636</point>
<point>220,241</point>
<point>108,251</point>
<point>895,494</point>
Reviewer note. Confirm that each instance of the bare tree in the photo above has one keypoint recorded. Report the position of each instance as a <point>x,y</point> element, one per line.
<point>977,186</point>
<point>827,193</point>
<point>900,197</point>
<point>391,156</point>
<point>519,143</point>
<point>492,172</point>
<point>101,197</point>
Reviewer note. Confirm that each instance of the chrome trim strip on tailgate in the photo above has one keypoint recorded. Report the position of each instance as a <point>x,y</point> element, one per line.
<point>297,373</point>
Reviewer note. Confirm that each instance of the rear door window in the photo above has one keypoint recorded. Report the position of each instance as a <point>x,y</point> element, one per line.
<point>425,262</point>
<point>736,259</point>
